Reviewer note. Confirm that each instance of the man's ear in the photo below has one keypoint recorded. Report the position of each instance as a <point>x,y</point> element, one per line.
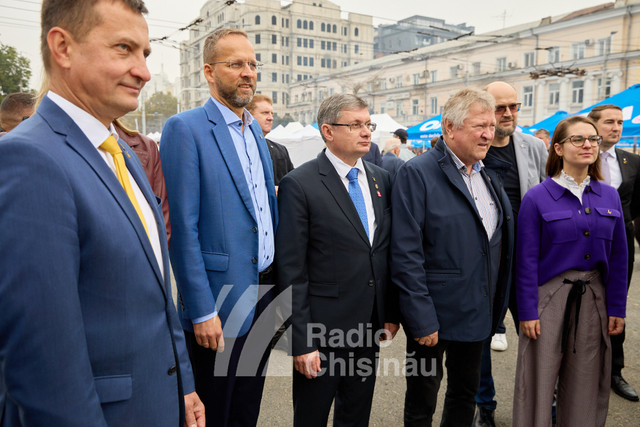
<point>447,127</point>
<point>327,131</point>
<point>61,44</point>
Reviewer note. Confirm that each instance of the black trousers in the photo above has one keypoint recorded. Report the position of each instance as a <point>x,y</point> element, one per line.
<point>231,398</point>
<point>424,374</point>
<point>349,377</point>
<point>617,341</point>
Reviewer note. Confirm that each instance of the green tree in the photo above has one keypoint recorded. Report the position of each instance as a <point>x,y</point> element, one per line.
<point>158,108</point>
<point>15,71</point>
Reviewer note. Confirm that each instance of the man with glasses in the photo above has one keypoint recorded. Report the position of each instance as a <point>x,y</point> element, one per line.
<point>451,248</point>
<point>15,108</point>
<point>222,200</point>
<point>621,170</point>
<point>332,255</point>
<point>519,160</point>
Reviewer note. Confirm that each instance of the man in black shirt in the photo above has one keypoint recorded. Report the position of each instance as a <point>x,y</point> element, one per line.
<point>520,161</point>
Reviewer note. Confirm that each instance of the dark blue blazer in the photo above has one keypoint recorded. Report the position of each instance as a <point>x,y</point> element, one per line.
<point>440,254</point>
<point>89,332</point>
<point>214,240</point>
<point>391,163</point>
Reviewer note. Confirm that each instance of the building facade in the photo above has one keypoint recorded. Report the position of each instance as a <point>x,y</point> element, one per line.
<point>566,62</point>
<point>296,42</point>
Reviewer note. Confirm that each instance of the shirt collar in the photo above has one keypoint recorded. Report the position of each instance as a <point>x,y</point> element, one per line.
<point>612,152</point>
<point>231,118</point>
<point>89,125</point>
<point>477,166</point>
<point>341,167</point>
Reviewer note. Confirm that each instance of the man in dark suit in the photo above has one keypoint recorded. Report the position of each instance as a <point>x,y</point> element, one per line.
<point>223,216</point>
<point>90,336</point>
<point>390,161</point>
<point>373,155</point>
<point>451,249</point>
<point>620,169</point>
<point>332,256</point>
<point>261,108</point>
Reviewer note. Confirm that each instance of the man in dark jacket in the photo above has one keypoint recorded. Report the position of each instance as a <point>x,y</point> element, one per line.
<point>390,160</point>
<point>451,248</point>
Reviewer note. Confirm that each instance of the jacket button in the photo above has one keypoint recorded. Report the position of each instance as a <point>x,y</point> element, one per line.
<point>254,260</point>
<point>587,234</point>
<point>587,210</point>
<point>508,218</point>
<point>254,229</point>
<point>371,283</point>
<point>587,256</point>
<point>172,370</point>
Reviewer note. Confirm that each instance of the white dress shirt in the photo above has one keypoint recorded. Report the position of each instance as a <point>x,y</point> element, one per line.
<point>614,167</point>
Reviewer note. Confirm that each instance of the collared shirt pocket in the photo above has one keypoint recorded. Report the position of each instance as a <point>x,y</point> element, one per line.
<point>559,226</point>
<point>606,223</point>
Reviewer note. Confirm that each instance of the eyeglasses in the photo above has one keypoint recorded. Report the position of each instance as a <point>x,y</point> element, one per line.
<point>239,65</point>
<point>579,140</point>
<point>500,109</point>
<point>356,126</point>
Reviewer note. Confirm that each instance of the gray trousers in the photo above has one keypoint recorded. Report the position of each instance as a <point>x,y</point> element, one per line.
<point>583,376</point>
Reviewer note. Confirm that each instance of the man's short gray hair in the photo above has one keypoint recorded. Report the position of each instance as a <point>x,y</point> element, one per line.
<point>209,51</point>
<point>333,106</point>
<point>457,107</point>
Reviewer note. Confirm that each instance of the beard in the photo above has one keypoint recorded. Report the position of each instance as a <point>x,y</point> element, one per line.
<point>230,93</point>
<point>504,132</point>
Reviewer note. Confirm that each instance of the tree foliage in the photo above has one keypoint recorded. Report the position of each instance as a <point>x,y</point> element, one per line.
<point>158,108</point>
<point>15,71</point>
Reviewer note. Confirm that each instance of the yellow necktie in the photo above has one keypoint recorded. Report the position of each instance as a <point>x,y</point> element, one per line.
<point>110,145</point>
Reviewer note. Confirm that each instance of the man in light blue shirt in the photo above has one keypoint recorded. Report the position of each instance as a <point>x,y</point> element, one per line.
<point>221,192</point>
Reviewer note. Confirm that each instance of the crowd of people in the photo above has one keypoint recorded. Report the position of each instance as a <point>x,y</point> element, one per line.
<point>341,250</point>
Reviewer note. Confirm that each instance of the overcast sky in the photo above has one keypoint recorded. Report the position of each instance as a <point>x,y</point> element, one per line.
<point>20,20</point>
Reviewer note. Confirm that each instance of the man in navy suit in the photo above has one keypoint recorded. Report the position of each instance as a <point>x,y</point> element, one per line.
<point>390,160</point>
<point>222,200</point>
<point>451,250</point>
<point>90,336</point>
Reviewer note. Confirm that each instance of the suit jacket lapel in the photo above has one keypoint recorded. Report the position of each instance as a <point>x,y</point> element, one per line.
<point>334,185</point>
<point>522,154</point>
<point>77,141</point>
<point>449,169</point>
<point>623,163</point>
<point>374,182</point>
<point>222,137</point>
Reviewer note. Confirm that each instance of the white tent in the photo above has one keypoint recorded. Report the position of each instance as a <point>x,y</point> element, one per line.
<point>293,127</point>
<point>385,128</point>
<point>303,145</point>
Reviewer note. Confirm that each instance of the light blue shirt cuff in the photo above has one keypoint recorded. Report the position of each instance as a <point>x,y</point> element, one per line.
<point>204,318</point>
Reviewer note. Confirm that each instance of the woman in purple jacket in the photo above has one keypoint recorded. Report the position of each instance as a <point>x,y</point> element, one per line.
<point>571,284</point>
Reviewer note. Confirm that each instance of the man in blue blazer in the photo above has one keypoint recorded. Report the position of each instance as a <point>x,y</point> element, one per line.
<point>222,200</point>
<point>451,251</point>
<point>90,335</point>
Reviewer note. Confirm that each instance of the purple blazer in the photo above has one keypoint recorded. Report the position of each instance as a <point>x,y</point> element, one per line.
<point>556,233</point>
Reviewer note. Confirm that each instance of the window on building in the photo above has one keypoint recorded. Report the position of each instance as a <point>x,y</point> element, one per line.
<point>356,49</point>
<point>344,31</point>
<point>310,43</point>
<point>287,79</point>
<point>399,110</point>
<point>530,59</point>
<point>274,77</point>
<point>415,107</point>
<point>287,60</point>
<point>335,29</point>
<point>322,44</point>
<point>433,105</point>
<point>578,50</point>
<point>383,109</point>
<point>527,96</point>
<point>554,94</point>
<point>257,38</point>
<point>274,20</point>
<point>286,39</point>
<point>335,46</point>
<point>501,64</point>
<point>305,42</point>
<point>274,97</point>
<point>299,23</point>
<point>322,27</point>
<point>577,91</point>
<point>453,72</point>
<point>356,31</point>
<point>344,48</point>
<point>311,62</point>
<point>299,77</point>
<point>305,24</point>
<point>311,25</point>
<point>553,55</point>
<point>257,19</point>
<point>416,78</point>
<point>476,68</point>
<point>434,76</point>
<point>259,76</point>
<point>335,64</point>
<point>399,81</point>
<point>287,22</point>
<point>604,46</point>
<point>322,63</point>
<point>604,88</point>
<point>299,41</point>
<point>274,58</point>
<point>258,57</point>
<point>274,39</point>
<point>305,61</point>
<point>299,61</point>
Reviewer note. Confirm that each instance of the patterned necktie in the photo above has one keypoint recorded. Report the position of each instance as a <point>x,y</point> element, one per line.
<point>604,166</point>
<point>110,145</point>
<point>358,199</point>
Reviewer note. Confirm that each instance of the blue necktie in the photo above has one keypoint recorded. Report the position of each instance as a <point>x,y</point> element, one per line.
<point>358,199</point>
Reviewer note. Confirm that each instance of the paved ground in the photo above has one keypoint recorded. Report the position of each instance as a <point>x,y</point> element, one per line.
<point>389,394</point>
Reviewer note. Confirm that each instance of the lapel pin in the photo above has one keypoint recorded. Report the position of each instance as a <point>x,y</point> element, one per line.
<point>379,195</point>
<point>624,160</point>
<point>609,212</point>
<point>128,155</point>
<point>374,179</point>
<point>377,186</point>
